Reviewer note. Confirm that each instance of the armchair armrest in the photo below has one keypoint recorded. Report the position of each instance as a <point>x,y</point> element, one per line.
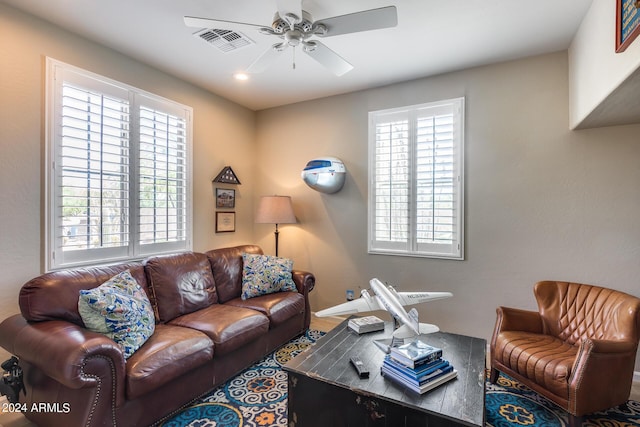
<point>514,319</point>
<point>611,347</point>
<point>601,374</point>
<point>64,351</point>
<point>305,281</point>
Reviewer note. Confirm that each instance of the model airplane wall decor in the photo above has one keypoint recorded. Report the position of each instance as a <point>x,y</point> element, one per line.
<point>387,298</point>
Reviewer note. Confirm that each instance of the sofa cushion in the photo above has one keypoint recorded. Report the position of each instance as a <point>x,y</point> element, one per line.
<point>226,264</point>
<point>180,283</point>
<point>265,274</point>
<point>54,295</point>
<point>169,353</point>
<point>119,309</point>
<point>543,359</point>
<point>228,326</point>
<point>278,307</point>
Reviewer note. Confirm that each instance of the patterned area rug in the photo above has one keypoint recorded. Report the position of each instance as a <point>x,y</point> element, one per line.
<point>510,404</point>
<point>254,398</point>
<point>258,397</point>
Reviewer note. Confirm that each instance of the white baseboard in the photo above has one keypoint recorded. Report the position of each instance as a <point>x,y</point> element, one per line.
<point>335,318</point>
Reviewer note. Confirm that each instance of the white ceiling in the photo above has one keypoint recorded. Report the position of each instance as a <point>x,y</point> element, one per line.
<point>432,37</point>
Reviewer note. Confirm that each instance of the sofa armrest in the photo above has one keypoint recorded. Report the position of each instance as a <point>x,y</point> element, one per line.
<point>64,351</point>
<point>305,281</point>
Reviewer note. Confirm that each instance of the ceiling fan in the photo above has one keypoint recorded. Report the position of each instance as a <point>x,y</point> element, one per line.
<point>295,27</point>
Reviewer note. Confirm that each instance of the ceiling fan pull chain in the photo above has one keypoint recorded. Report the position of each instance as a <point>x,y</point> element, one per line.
<point>294,58</point>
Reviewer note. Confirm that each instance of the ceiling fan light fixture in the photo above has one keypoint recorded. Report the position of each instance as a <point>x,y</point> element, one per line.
<point>293,37</point>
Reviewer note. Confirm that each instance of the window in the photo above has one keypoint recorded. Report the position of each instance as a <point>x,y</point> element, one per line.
<point>416,180</point>
<point>118,170</point>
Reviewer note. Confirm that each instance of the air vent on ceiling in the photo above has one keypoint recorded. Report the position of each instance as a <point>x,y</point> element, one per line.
<point>225,40</point>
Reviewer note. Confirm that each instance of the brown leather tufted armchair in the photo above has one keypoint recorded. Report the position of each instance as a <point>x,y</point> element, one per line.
<point>578,350</point>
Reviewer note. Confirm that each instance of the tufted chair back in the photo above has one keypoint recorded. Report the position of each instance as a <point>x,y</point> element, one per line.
<point>574,312</point>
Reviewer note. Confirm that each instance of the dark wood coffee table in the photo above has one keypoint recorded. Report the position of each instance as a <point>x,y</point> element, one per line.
<point>325,390</point>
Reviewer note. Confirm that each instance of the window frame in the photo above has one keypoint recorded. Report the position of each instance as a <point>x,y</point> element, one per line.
<point>55,258</point>
<point>411,247</point>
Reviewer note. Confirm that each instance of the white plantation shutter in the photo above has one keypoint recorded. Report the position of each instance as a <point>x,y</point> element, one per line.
<point>93,166</point>
<point>162,178</point>
<point>119,177</point>
<point>392,182</point>
<point>415,191</point>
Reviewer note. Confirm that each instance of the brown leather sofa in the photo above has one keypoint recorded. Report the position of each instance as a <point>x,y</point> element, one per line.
<point>578,350</point>
<point>204,335</point>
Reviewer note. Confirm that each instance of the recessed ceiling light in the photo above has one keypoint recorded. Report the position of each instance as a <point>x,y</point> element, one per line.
<point>241,76</point>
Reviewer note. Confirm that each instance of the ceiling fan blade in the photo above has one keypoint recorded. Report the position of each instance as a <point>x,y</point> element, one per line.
<point>194,21</point>
<point>328,58</point>
<point>293,7</point>
<point>267,58</point>
<point>366,20</point>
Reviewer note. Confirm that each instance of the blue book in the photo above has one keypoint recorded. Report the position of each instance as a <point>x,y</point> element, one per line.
<point>422,388</point>
<point>418,373</point>
<point>432,374</point>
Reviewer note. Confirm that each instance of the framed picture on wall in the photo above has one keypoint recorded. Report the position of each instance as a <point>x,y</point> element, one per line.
<point>225,222</point>
<point>225,198</point>
<point>627,23</point>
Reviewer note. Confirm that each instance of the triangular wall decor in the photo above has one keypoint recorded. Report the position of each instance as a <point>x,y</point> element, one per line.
<point>227,176</point>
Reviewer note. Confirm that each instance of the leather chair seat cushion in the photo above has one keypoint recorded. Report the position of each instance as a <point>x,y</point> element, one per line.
<point>543,359</point>
<point>279,307</point>
<point>170,352</point>
<point>229,327</point>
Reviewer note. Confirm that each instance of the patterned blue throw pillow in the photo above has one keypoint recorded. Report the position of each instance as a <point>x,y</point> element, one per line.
<point>119,309</point>
<point>265,274</point>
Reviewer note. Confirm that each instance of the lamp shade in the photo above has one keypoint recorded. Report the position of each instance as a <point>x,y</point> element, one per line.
<point>275,210</point>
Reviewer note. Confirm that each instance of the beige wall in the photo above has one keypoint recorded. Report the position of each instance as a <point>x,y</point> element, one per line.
<point>223,135</point>
<point>542,202</point>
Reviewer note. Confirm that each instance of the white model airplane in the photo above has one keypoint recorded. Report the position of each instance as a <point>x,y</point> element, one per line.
<point>386,298</point>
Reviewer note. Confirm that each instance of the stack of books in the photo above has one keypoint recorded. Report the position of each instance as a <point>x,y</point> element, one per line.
<point>362,325</point>
<point>417,366</point>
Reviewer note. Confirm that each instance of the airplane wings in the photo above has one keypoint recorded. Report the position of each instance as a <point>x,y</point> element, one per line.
<point>359,305</point>
<point>364,304</point>
<point>410,298</point>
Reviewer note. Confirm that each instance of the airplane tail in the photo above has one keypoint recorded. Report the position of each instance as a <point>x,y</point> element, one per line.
<point>415,327</point>
<point>403,332</point>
